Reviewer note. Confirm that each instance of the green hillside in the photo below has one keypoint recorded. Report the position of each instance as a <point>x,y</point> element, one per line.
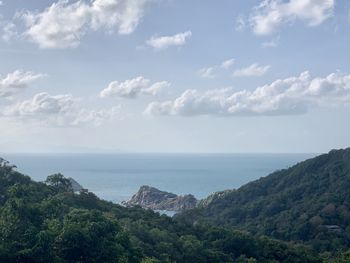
<point>48,222</point>
<point>309,202</point>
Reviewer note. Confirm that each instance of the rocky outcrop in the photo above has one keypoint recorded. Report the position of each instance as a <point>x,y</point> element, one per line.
<point>75,185</point>
<point>152,198</point>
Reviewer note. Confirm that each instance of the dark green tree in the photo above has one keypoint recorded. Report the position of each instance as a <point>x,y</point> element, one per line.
<point>59,182</point>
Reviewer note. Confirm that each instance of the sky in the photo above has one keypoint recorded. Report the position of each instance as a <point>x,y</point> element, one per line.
<point>199,76</point>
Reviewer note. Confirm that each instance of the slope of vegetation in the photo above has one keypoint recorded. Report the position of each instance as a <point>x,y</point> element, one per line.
<point>48,222</point>
<point>309,203</point>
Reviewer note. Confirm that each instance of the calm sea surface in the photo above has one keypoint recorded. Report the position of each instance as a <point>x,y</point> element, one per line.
<point>116,177</point>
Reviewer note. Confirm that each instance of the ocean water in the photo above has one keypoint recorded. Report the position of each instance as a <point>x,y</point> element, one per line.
<point>116,177</point>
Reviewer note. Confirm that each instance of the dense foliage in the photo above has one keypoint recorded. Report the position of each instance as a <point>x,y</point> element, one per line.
<point>48,222</point>
<point>309,202</point>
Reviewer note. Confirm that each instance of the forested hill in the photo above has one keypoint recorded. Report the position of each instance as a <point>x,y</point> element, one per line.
<point>309,202</point>
<point>48,222</point>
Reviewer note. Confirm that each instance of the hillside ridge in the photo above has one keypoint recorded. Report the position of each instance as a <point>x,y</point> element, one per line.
<point>308,202</point>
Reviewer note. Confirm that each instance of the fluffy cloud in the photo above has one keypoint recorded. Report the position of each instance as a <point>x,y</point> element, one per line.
<point>61,110</point>
<point>294,95</point>
<point>133,88</point>
<point>64,23</point>
<point>155,88</point>
<point>168,41</point>
<point>272,14</point>
<point>253,70</point>
<point>17,81</point>
<point>42,104</point>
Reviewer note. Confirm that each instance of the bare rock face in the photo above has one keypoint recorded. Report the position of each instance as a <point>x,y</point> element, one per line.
<point>76,187</point>
<point>152,198</point>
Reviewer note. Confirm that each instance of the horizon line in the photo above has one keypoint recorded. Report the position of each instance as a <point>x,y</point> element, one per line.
<point>140,152</point>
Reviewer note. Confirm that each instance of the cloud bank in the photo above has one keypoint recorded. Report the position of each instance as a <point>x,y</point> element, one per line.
<point>294,95</point>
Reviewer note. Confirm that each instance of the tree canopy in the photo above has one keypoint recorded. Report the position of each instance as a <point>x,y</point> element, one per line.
<point>48,222</point>
<point>308,203</point>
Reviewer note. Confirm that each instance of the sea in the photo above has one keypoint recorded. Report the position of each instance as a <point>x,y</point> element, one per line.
<point>116,177</point>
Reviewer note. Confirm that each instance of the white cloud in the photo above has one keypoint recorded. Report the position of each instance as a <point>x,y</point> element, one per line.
<point>168,41</point>
<point>17,81</point>
<point>253,70</point>
<point>128,89</point>
<point>156,88</point>
<point>61,110</point>
<point>64,23</point>
<point>272,14</point>
<point>124,15</point>
<point>207,73</point>
<point>227,63</point>
<point>294,95</point>
<point>60,26</point>
<point>1,3</point>
<point>133,88</point>
<point>42,104</point>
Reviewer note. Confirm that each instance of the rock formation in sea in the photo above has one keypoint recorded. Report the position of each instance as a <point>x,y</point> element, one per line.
<point>155,199</point>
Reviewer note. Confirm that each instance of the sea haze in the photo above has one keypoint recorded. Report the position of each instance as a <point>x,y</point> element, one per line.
<point>116,177</point>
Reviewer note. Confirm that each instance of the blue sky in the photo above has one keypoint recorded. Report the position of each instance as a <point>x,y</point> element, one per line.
<point>174,76</point>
